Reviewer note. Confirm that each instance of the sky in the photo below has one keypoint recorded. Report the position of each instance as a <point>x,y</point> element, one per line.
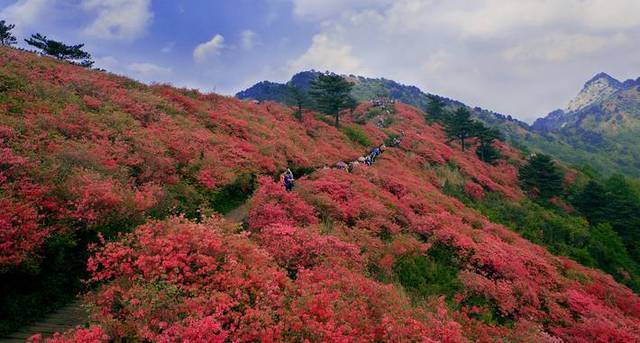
<point>524,58</point>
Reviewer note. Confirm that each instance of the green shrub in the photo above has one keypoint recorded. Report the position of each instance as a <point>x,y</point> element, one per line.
<point>228,197</point>
<point>357,135</point>
<point>435,273</point>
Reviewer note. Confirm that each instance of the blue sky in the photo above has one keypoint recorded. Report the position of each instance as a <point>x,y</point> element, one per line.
<point>524,57</point>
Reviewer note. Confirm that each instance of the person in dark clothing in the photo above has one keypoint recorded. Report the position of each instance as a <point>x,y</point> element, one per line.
<point>288,180</point>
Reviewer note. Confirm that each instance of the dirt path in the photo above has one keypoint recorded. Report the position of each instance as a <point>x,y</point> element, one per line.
<point>63,319</point>
<point>238,214</point>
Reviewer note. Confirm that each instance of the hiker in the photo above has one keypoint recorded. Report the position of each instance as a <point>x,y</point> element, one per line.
<point>361,159</point>
<point>396,141</point>
<point>288,180</point>
<point>383,147</point>
<point>375,152</point>
<point>353,165</point>
<point>368,160</point>
<point>341,165</point>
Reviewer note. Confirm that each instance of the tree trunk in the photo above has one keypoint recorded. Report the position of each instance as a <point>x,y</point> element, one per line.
<point>337,120</point>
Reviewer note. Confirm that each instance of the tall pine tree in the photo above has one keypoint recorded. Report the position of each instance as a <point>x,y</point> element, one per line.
<point>6,37</point>
<point>61,51</point>
<point>486,136</point>
<point>435,110</point>
<point>459,126</point>
<point>541,177</point>
<point>332,94</point>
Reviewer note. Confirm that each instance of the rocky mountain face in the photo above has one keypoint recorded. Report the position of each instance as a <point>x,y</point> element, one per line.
<point>600,125</point>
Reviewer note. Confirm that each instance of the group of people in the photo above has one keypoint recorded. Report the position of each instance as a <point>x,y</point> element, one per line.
<point>287,178</point>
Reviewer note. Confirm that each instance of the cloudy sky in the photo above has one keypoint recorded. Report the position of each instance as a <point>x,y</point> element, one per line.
<point>524,57</point>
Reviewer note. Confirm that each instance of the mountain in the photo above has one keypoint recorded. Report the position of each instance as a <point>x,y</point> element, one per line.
<point>130,187</point>
<point>601,125</point>
<point>598,128</point>
<point>366,89</point>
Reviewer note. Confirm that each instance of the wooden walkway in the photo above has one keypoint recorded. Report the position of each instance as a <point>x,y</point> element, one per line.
<point>61,320</point>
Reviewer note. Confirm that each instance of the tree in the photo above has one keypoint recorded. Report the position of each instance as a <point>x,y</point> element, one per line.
<point>435,110</point>
<point>61,51</point>
<point>6,37</point>
<point>332,94</point>
<point>541,176</point>
<point>486,136</point>
<point>297,97</point>
<point>460,126</point>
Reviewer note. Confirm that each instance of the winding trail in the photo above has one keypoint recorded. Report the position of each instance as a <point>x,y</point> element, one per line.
<point>65,318</point>
<point>74,314</point>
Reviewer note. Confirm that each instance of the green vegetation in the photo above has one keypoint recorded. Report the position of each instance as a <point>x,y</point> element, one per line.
<point>357,135</point>
<point>61,51</point>
<point>331,93</point>
<point>6,37</point>
<point>459,126</point>
<point>435,273</point>
<point>569,234</point>
<point>541,177</point>
<point>486,136</point>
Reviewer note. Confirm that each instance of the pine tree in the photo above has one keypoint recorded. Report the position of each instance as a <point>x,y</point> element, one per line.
<point>298,98</point>
<point>460,126</point>
<point>540,176</point>
<point>486,136</point>
<point>332,94</point>
<point>435,110</point>
<point>6,37</point>
<point>61,51</point>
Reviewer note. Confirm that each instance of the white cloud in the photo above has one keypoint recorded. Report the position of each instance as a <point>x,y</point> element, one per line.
<point>523,57</point>
<point>327,54</point>
<point>24,13</point>
<point>148,70</point>
<point>208,49</point>
<point>323,9</point>
<point>557,47</point>
<point>118,19</point>
<point>247,39</point>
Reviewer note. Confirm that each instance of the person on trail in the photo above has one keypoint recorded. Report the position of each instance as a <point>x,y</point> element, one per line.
<point>361,159</point>
<point>375,152</point>
<point>288,180</point>
<point>342,166</point>
<point>396,141</point>
<point>368,160</point>
<point>353,165</point>
<point>383,147</point>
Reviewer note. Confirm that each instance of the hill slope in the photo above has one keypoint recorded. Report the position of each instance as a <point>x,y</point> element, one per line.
<point>366,89</point>
<point>389,252</point>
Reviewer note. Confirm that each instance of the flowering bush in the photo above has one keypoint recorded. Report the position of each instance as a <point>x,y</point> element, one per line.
<point>333,260</point>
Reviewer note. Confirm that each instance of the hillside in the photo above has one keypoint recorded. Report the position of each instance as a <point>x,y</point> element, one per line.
<point>369,88</point>
<point>600,125</point>
<point>128,182</point>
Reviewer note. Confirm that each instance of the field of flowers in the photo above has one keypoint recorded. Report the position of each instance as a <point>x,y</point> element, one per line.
<point>126,180</point>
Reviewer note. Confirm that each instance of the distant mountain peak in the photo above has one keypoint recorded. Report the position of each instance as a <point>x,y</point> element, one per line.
<point>603,76</point>
<point>595,90</point>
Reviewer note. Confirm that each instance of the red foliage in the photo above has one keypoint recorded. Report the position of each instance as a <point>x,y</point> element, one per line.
<point>271,204</point>
<point>295,249</point>
<point>473,190</point>
<point>174,280</point>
